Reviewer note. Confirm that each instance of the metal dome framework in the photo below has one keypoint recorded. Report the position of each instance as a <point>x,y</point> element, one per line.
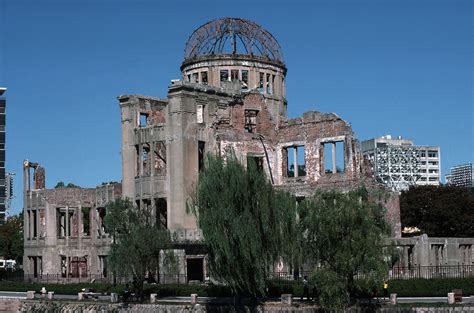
<point>232,36</point>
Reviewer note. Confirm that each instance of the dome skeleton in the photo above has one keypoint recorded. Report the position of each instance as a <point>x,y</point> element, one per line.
<point>212,38</point>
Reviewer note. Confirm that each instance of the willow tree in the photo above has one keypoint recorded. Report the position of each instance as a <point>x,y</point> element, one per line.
<point>247,225</point>
<point>344,239</point>
<point>140,244</point>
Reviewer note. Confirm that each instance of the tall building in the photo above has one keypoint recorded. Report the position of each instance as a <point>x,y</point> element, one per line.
<point>461,175</point>
<point>3,195</point>
<point>8,190</point>
<point>399,164</point>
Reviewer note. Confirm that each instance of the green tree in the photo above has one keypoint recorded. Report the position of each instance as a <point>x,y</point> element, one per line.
<point>343,236</point>
<point>247,225</point>
<point>11,238</point>
<point>439,211</point>
<point>62,185</point>
<point>140,245</point>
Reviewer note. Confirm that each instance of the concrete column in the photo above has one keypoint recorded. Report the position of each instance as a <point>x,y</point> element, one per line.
<point>334,168</point>
<point>295,157</point>
<point>66,229</point>
<point>128,118</point>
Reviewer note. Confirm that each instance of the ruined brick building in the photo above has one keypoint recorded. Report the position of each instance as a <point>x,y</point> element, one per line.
<point>231,96</point>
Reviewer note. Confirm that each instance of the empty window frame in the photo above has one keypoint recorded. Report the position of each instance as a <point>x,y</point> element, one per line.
<point>333,157</point>
<point>296,164</point>
<point>146,160</point>
<point>224,75</point>
<point>161,212</point>
<point>201,153</point>
<point>160,158</point>
<point>103,265</point>
<point>101,230</point>
<point>234,75</point>
<point>86,213</point>
<point>143,119</point>
<point>250,120</point>
<point>204,78</point>
<point>256,161</point>
<point>261,82</point>
<point>61,222</point>
<point>245,79</point>
<point>268,88</point>
<point>195,78</point>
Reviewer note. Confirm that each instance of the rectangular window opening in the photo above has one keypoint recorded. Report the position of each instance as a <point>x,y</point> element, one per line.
<point>161,212</point>
<point>260,82</point>
<point>195,78</point>
<point>250,120</point>
<point>290,172</point>
<point>224,75</point>
<point>300,152</point>
<point>201,152</point>
<point>204,79</point>
<point>86,221</point>
<point>234,75</point>
<point>268,86</point>
<point>334,157</point>
<point>143,119</point>
<point>257,161</point>
<point>146,160</point>
<point>160,158</point>
<point>340,166</point>
<point>245,79</point>
<point>61,222</point>
<point>101,212</point>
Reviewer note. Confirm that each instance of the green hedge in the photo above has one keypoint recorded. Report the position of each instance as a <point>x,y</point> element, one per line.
<point>431,287</point>
<point>404,288</point>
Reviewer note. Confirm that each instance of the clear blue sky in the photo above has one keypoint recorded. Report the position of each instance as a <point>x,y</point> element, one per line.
<point>389,67</point>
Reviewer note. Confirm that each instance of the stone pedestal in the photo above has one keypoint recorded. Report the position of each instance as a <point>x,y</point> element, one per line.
<point>450,297</point>
<point>30,294</point>
<point>80,296</point>
<point>393,298</point>
<point>194,298</point>
<point>114,297</point>
<point>287,298</point>
<point>153,298</point>
<point>50,295</point>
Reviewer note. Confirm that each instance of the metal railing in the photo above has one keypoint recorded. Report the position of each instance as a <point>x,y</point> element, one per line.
<point>442,271</point>
<point>398,272</point>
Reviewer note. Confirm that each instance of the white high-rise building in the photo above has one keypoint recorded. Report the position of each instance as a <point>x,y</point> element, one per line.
<point>461,175</point>
<point>399,164</point>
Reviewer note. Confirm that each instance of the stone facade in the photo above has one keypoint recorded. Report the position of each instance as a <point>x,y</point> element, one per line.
<point>64,237</point>
<point>425,251</point>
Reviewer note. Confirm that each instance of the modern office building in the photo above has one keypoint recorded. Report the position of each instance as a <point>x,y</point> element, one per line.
<point>8,190</point>
<point>399,164</point>
<point>3,198</point>
<point>461,175</point>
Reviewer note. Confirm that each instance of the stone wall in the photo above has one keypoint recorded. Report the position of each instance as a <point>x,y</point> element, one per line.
<point>72,307</point>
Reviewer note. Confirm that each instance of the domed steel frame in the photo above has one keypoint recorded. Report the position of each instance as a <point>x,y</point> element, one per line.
<point>232,36</point>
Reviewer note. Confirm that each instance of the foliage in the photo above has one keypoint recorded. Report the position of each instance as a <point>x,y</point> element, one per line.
<point>343,236</point>
<point>11,238</point>
<point>247,225</point>
<point>438,211</point>
<point>140,245</point>
<point>69,185</point>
